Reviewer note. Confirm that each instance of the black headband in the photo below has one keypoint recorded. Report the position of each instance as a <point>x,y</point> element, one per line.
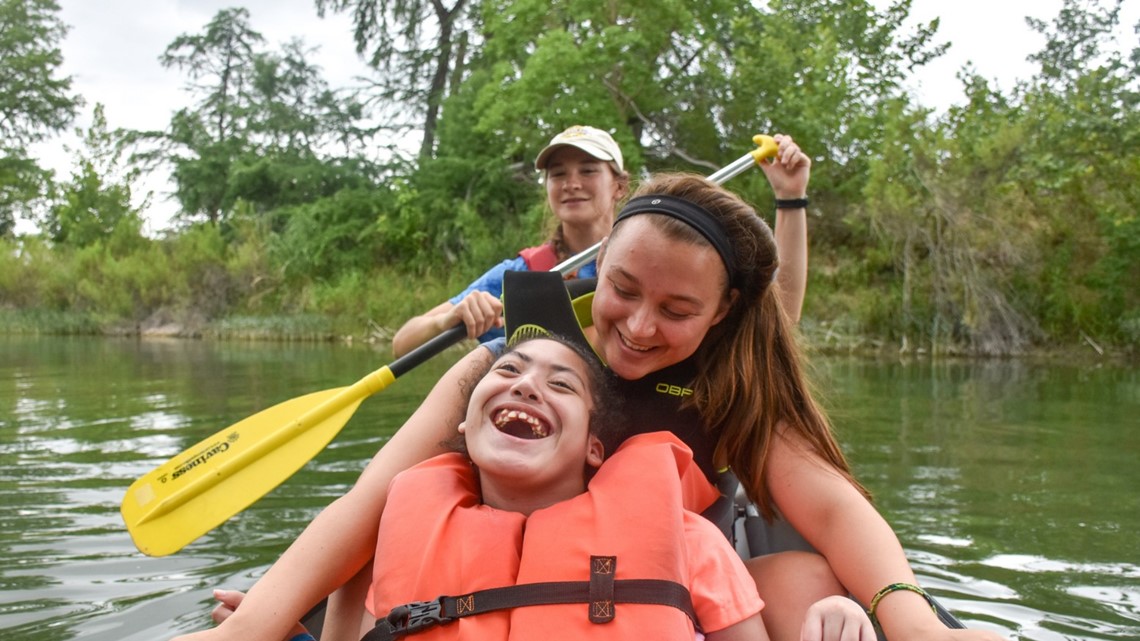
<point>692,215</point>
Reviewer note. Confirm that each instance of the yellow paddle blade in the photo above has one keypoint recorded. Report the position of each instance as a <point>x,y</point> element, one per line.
<point>222,475</point>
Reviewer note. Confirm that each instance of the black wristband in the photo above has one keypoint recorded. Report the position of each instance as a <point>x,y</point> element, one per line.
<point>792,203</point>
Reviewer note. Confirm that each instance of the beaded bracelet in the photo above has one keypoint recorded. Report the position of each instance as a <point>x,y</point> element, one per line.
<point>894,587</point>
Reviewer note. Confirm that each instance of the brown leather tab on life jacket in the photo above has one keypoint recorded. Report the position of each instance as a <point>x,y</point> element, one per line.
<point>602,570</point>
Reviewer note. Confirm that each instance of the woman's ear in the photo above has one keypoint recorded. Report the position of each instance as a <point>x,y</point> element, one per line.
<point>463,427</point>
<point>726,304</point>
<point>621,183</point>
<point>595,451</point>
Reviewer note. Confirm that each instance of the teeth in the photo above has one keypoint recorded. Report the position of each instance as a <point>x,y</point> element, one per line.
<point>536,426</point>
<point>634,346</point>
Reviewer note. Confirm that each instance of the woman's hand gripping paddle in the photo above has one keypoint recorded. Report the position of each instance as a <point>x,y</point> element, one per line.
<point>218,477</point>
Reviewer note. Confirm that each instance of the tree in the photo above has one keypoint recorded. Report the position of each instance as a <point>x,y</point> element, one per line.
<point>291,108</point>
<point>34,102</point>
<point>643,69</point>
<point>219,63</point>
<point>22,183</point>
<point>259,116</point>
<point>943,199</point>
<point>1082,175</point>
<point>202,142</point>
<point>96,202</point>
<point>825,72</point>
<point>418,48</point>
<point>1013,217</point>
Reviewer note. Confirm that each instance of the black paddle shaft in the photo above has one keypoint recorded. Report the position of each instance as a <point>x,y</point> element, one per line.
<point>424,352</point>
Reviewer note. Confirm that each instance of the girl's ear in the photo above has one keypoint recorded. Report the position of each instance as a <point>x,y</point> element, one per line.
<point>463,427</point>
<point>595,451</point>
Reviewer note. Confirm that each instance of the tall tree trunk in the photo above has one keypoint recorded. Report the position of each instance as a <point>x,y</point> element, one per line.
<point>907,286</point>
<point>439,79</point>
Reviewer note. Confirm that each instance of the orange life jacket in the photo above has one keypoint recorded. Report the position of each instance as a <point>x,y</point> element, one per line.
<point>437,538</point>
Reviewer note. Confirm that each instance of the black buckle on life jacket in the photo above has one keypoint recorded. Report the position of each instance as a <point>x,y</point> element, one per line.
<point>415,616</point>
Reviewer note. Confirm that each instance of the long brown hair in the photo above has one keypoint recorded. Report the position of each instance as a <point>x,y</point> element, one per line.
<point>750,380</point>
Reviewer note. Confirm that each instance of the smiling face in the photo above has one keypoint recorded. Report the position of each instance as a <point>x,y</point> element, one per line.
<point>528,427</point>
<point>656,299</point>
<point>581,189</point>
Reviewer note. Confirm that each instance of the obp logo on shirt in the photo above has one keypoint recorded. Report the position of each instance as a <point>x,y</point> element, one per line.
<point>673,390</point>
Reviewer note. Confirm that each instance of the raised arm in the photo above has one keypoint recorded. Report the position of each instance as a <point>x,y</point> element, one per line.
<point>342,538</point>
<point>792,248</point>
<point>788,174</point>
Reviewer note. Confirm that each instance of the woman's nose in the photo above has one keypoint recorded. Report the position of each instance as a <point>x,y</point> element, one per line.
<point>640,323</point>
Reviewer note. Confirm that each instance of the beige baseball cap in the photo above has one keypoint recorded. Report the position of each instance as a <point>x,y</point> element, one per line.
<point>591,140</point>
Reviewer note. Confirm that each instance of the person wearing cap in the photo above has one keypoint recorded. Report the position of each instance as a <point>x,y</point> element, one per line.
<point>585,179</point>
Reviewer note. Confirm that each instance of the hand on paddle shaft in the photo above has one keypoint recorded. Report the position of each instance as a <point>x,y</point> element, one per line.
<point>218,477</point>
<point>788,171</point>
<point>478,312</point>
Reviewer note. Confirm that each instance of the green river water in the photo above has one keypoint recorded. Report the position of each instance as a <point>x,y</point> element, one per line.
<point>1015,488</point>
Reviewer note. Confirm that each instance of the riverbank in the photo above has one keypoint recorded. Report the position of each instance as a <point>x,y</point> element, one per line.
<point>818,337</point>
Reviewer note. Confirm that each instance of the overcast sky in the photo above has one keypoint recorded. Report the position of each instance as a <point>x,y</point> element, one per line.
<point>112,53</point>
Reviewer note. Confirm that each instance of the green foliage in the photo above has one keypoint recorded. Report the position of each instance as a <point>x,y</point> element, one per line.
<point>220,61</point>
<point>1010,221</point>
<point>803,63</point>
<point>95,205</point>
<point>420,50</point>
<point>1080,173</point>
<point>471,211</point>
<point>259,127</point>
<point>274,180</point>
<point>637,68</point>
<point>33,101</point>
<point>951,217</point>
<point>467,208</point>
<point>1014,217</point>
<point>328,237</point>
<point>22,184</point>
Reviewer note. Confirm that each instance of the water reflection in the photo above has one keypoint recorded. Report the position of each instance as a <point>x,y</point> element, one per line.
<point>1011,485</point>
<point>1019,478</point>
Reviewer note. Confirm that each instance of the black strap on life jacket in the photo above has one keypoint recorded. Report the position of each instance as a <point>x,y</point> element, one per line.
<point>601,592</point>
